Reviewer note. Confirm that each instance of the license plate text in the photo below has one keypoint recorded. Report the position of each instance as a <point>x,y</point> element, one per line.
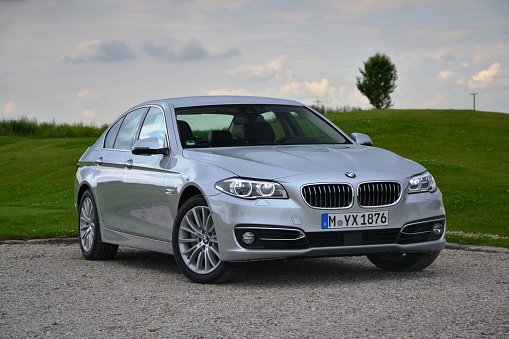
<point>337,220</point>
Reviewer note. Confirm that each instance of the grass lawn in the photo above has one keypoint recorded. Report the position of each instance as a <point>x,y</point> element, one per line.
<point>36,189</point>
<point>466,151</point>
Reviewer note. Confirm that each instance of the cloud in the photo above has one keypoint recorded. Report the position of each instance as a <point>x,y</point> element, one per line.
<point>224,91</point>
<point>484,77</point>
<point>317,88</point>
<point>436,100</point>
<point>445,75</point>
<point>211,5</point>
<point>89,114</point>
<point>9,107</point>
<point>273,69</point>
<point>193,49</point>
<point>99,51</point>
<point>444,56</point>
<point>84,93</point>
<point>362,7</point>
<point>441,56</point>
<point>230,52</point>
<point>261,73</point>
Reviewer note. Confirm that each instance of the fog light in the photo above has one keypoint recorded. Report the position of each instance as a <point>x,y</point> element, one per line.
<point>438,229</point>
<point>248,238</point>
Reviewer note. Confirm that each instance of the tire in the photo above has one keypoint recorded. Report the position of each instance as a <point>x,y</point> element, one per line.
<point>91,244</point>
<point>403,262</point>
<point>196,248</point>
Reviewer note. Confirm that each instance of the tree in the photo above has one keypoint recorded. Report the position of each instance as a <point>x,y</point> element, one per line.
<point>378,80</point>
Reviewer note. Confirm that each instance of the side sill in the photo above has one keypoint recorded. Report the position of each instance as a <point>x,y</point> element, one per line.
<point>129,240</point>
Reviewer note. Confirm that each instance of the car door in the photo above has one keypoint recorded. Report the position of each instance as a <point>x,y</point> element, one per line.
<point>111,162</point>
<point>147,205</point>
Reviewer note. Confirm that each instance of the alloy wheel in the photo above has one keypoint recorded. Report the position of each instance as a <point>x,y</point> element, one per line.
<point>197,241</point>
<point>87,223</point>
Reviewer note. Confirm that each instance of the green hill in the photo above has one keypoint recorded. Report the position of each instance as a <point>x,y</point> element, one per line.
<point>36,189</point>
<point>466,151</point>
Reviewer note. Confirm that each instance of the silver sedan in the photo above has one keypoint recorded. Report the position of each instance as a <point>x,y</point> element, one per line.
<point>219,181</point>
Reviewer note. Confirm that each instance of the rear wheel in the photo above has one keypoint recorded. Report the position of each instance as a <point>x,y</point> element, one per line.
<point>196,247</point>
<point>91,244</point>
<point>403,262</point>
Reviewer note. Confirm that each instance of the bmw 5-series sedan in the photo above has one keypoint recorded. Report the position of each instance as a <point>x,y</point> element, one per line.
<point>219,181</point>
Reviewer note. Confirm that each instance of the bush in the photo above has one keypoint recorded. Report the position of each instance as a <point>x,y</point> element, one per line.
<point>25,127</point>
<point>344,109</point>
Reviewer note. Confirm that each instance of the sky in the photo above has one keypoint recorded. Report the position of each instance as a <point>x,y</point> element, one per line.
<point>73,61</point>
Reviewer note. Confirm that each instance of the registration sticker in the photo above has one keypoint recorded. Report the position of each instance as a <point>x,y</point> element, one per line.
<point>337,220</point>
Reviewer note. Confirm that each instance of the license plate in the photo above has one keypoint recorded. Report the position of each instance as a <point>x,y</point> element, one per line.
<point>337,220</point>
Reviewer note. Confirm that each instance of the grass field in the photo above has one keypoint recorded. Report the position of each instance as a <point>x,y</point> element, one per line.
<point>466,151</point>
<point>36,189</point>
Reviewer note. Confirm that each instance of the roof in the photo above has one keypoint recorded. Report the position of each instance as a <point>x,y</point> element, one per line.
<point>226,100</point>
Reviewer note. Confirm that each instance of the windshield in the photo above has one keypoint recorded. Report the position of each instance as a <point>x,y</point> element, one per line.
<point>252,125</point>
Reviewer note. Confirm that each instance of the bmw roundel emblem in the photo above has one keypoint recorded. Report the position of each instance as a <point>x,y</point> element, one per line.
<point>350,174</point>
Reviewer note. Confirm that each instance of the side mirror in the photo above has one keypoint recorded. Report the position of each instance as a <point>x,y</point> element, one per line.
<point>362,139</point>
<point>148,146</point>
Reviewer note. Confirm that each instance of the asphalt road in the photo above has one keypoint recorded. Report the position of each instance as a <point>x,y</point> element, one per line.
<point>49,291</point>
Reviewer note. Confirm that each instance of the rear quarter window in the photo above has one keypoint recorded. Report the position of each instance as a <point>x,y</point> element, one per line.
<point>109,141</point>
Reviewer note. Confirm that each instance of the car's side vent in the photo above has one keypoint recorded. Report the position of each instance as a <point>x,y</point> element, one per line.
<point>375,194</point>
<point>328,195</point>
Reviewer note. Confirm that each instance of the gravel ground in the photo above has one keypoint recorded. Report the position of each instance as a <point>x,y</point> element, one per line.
<point>49,291</point>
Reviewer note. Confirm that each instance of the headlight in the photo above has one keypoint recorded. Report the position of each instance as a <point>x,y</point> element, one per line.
<point>422,183</point>
<point>251,189</point>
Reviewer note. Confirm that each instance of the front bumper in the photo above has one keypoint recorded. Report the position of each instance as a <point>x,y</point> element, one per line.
<point>289,228</point>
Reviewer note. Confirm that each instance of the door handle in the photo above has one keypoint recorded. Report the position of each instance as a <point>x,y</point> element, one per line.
<point>99,161</point>
<point>128,164</point>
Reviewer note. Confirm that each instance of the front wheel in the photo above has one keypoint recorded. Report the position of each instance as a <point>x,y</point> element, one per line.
<point>196,247</point>
<point>403,262</point>
<point>91,244</point>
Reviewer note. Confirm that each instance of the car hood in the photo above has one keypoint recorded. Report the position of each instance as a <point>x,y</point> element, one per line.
<point>275,162</point>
